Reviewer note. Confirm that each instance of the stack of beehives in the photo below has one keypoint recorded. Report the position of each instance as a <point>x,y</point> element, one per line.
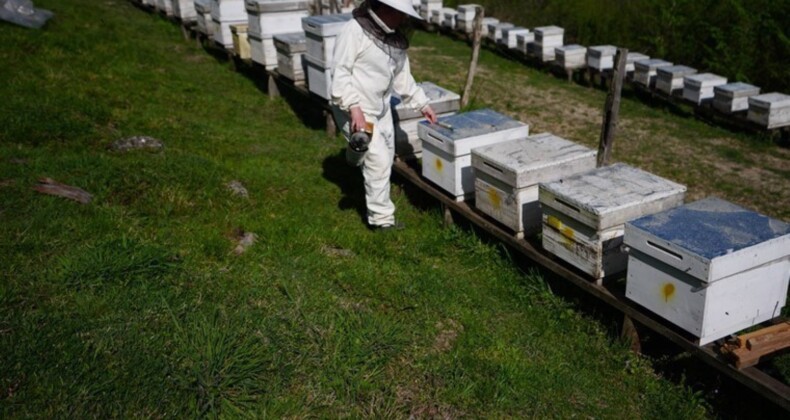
<point>464,21</point>
<point>547,38</point>
<point>321,33</point>
<point>427,7</point>
<point>268,18</point>
<point>571,56</point>
<point>225,13</point>
<point>698,88</point>
<point>601,57</point>
<point>290,49</point>
<point>184,10</point>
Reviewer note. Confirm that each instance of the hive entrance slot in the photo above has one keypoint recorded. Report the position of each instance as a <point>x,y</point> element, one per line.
<point>567,204</point>
<point>665,250</point>
<point>492,167</point>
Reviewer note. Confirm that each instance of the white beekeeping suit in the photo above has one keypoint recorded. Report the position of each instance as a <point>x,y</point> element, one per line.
<point>367,70</point>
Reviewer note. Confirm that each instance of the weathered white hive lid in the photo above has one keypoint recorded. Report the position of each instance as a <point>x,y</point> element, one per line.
<point>228,10</point>
<point>770,101</point>
<point>633,57</point>
<point>736,90</point>
<point>468,8</point>
<point>442,102</point>
<point>325,25</point>
<point>612,195</point>
<point>449,11</point>
<point>675,71</point>
<point>549,30</point>
<point>571,49</point>
<point>489,20</point>
<point>602,50</point>
<point>529,161</point>
<point>292,43</point>
<point>651,64</point>
<point>275,6</point>
<point>704,80</point>
<point>699,237</point>
<point>515,31</point>
<point>459,133</point>
<point>499,26</point>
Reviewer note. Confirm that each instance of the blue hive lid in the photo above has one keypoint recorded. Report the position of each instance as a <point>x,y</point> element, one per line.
<point>712,227</point>
<point>474,123</point>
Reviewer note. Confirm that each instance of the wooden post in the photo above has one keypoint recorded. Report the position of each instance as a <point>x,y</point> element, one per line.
<point>611,111</point>
<point>476,38</point>
<point>630,334</point>
<point>271,86</point>
<point>331,127</point>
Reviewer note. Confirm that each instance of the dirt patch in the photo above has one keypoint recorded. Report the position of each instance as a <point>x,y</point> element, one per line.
<point>448,334</point>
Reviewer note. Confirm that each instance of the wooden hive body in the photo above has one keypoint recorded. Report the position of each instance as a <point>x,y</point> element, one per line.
<point>669,79</point>
<point>290,49</point>
<point>601,57</point>
<point>495,30</point>
<point>507,175</point>
<point>770,110</point>
<point>446,150</point>
<point>269,18</point>
<point>632,58</point>
<point>733,97</point>
<point>449,16</point>
<point>205,24</point>
<point>710,267</point>
<point>583,215</point>
<point>407,142</point>
<point>225,13</point>
<point>321,33</point>
<point>184,10</point>
<point>698,88</point>
<point>319,78</point>
<point>510,36</point>
<point>645,71</point>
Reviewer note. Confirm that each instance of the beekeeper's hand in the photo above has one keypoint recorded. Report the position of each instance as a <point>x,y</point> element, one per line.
<point>429,114</point>
<point>357,119</point>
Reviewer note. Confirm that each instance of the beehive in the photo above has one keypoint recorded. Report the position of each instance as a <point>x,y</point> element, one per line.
<point>464,21</point>
<point>770,110</point>
<point>507,176</point>
<point>524,40</point>
<point>710,267</point>
<point>547,38</point>
<point>645,71</point>
<point>733,97</point>
<point>571,56</point>
<point>632,58</point>
<point>205,25</point>
<point>321,32</point>
<point>510,36</point>
<point>273,17</point>
<point>290,50</point>
<point>446,147</point>
<point>584,215</point>
<point>225,13</point>
<point>407,141</point>
<point>240,42</point>
<point>427,7</point>
<point>184,10</point>
<point>495,30</point>
<point>319,78</point>
<point>449,17</point>
<point>669,79</point>
<point>165,6</point>
<point>484,24</point>
<point>601,57</point>
<point>698,88</point>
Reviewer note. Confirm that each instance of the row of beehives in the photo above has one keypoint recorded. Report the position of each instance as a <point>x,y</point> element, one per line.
<point>710,267</point>
<point>771,110</point>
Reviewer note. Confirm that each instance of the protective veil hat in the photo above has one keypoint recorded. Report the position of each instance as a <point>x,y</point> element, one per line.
<point>404,6</point>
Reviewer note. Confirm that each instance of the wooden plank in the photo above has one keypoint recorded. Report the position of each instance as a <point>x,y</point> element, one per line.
<point>476,38</point>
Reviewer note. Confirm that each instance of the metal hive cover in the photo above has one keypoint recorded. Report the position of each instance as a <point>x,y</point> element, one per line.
<point>737,90</point>
<point>651,64</point>
<point>475,123</point>
<point>712,227</point>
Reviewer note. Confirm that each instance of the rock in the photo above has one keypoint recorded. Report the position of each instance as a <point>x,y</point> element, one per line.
<point>244,241</point>
<point>237,188</point>
<point>137,143</point>
<point>337,252</point>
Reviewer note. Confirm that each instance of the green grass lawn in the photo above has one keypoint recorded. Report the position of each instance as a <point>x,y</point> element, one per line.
<point>136,305</point>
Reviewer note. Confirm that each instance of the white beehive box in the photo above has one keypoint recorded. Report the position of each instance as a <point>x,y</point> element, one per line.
<point>524,40</point>
<point>319,78</point>
<point>507,176</point>
<point>205,25</point>
<point>669,79</point>
<point>446,148</point>
<point>465,20</point>
<point>645,71</point>
<point>449,17</point>
<point>547,38</point>
<point>271,17</point>
<point>407,141</point>
<point>165,6</point>
<point>632,58</point>
<point>601,57</point>
<point>184,10</point>
<point>510,36</point>
<point>495,30</point>
<point>571,56</point>
<point>225,13</point>
<point>427,7</point>
<point>321,32</point>
<point>584,215</point>
<point>262,51</point>
<point>733,97</point>
<point>290,49</point>
<point>770,110</point>
<point>698,88</point>
<point>709,267</point>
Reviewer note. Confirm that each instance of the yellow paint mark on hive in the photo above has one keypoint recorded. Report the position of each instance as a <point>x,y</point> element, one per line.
<point>439,164</point>
<point>496,200</point>
<point>668,290</point>
<point>568,235</point>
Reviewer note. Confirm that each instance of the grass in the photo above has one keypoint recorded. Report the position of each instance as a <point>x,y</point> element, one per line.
<point>136,305</point>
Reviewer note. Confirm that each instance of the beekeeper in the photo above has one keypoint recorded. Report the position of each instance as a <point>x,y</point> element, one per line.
<point>370,64</point>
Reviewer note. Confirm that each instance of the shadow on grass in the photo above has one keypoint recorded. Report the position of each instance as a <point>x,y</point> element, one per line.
<point>349,179</point>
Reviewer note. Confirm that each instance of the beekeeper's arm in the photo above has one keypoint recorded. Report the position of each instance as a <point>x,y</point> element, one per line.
<point>411,93</point>
<point>344,94</point>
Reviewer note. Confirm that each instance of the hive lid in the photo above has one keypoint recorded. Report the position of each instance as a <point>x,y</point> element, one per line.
<point>468,8</point>
<point>459,133</point>
<point>295,42</point>
<point>273,6</point>
<point>529,161</point>
<point>770,100</point>
<point>515,31</point>
<point>325,25</point>
<point>441,100</point>
<point>692,236</point>
<point>498,26</point>
<point>651,64</point>
<point>571,49</point>
<point>549,30</point>
<point>612,195</point>
<point>736,90</point>
<point>633,57</point>
<point>676,71</point>
<point>602,50</point>
<point>704,80</point>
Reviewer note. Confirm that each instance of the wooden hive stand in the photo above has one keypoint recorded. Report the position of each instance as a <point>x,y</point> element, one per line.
<point>746,349</point>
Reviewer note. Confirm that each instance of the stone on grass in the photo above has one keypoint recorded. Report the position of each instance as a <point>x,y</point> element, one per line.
<point>137,143</point>
<point>244,240</point>
<point>237,188</point>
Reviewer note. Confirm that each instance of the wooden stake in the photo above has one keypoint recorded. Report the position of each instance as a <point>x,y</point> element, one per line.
<point>476,38</point>
<point>611,111</point>
<point>631,334</point>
